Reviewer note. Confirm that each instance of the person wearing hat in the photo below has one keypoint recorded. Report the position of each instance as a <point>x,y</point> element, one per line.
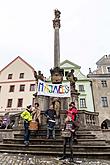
<point>27,117</point>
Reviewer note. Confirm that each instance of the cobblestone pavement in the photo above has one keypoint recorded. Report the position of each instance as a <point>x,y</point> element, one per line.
<point>24,159</point>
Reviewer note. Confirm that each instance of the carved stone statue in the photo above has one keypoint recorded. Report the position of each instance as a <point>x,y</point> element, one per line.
<point>57,106</point>
<point>56,21</point>
<point>38,76</point>
<point>57,13</point>
<point>57,75</point>
<point>70,77</point>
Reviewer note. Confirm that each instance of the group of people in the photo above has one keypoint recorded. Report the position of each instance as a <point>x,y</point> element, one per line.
<point>6,122</point>
<point>69,124</point>
<point>30,114</point>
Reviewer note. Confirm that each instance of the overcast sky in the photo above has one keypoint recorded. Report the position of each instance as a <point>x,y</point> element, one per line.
<point>26,29</point>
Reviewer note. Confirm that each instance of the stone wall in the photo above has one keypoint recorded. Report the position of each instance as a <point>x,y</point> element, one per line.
<point>7,133</point>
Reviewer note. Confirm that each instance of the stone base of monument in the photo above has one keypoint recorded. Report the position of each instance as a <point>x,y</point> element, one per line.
<point>91,140</point>
<point>88,144</point>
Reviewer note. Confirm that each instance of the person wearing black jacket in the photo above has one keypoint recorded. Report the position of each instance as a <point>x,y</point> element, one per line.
<point>50,114</point>
<point>69,127</point>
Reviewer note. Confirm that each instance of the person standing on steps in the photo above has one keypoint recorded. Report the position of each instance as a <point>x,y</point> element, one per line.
<point>70,127</point>
<point>75,119</point>
<point>36,114</point>
<point>50,114</point>
<point>68,137</point>
<point>27,117</point>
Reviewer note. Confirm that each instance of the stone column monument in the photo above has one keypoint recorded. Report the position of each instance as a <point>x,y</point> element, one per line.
<point>56,73</point>
<point>56,26</point>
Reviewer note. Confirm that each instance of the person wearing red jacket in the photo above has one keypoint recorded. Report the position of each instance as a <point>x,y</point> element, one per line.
<point>72,111</point>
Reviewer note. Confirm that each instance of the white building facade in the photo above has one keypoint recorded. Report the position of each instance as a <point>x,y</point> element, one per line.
<point>17,85</point>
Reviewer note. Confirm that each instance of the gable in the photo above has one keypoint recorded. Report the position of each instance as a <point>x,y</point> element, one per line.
<point>69,64</point>
<point>17,66</point>
<point>16,59</point>
<point>105,60</point>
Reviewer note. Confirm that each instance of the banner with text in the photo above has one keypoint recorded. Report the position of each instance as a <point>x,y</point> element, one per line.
<point>53,90</point>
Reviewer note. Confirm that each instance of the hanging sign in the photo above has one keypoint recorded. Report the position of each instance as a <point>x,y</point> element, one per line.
<point>53,90</point>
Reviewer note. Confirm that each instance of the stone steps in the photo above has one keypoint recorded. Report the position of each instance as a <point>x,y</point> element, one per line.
<point>42,135</point>
<point>92,155</point>
<point>54,148</point>
<point>45,141</point>
<point>87,144</point>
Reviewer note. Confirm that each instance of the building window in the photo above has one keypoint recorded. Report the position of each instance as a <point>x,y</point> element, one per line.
<point>21,75</point>
<point>82,103</point>
<point>20,103</point>
<point>104,102</point>
<point>9,104</point>
<point>104,83</point>
<point>10,76</point>
<point>81,88</point>
<point>32,87</point>
<point>22,88</point>
<point>12,87</point>
<point>66,72</point>
<point>108,68</point>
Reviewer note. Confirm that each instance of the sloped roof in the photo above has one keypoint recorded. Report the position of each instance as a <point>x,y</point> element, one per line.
<point>105,60</point>
<point>71,63</point>
<point>15,60</point>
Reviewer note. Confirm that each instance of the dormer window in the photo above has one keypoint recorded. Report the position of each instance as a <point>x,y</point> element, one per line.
<point>10,76</point>
<point>21,75</point>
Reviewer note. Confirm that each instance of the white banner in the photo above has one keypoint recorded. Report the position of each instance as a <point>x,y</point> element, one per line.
<point>53,90</point>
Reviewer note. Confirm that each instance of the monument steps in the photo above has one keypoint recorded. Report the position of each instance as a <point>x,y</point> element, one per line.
<point>100,155</point>
<point>57,150</point>
<point>45,141</point>
<point>42,134</point>
<point>40,145</point>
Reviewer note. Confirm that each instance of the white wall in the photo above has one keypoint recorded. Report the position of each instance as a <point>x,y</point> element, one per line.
<point>15,68</point>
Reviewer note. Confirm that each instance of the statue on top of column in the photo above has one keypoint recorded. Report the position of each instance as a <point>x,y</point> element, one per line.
<point>57,13</point>
<point>56,21</point>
